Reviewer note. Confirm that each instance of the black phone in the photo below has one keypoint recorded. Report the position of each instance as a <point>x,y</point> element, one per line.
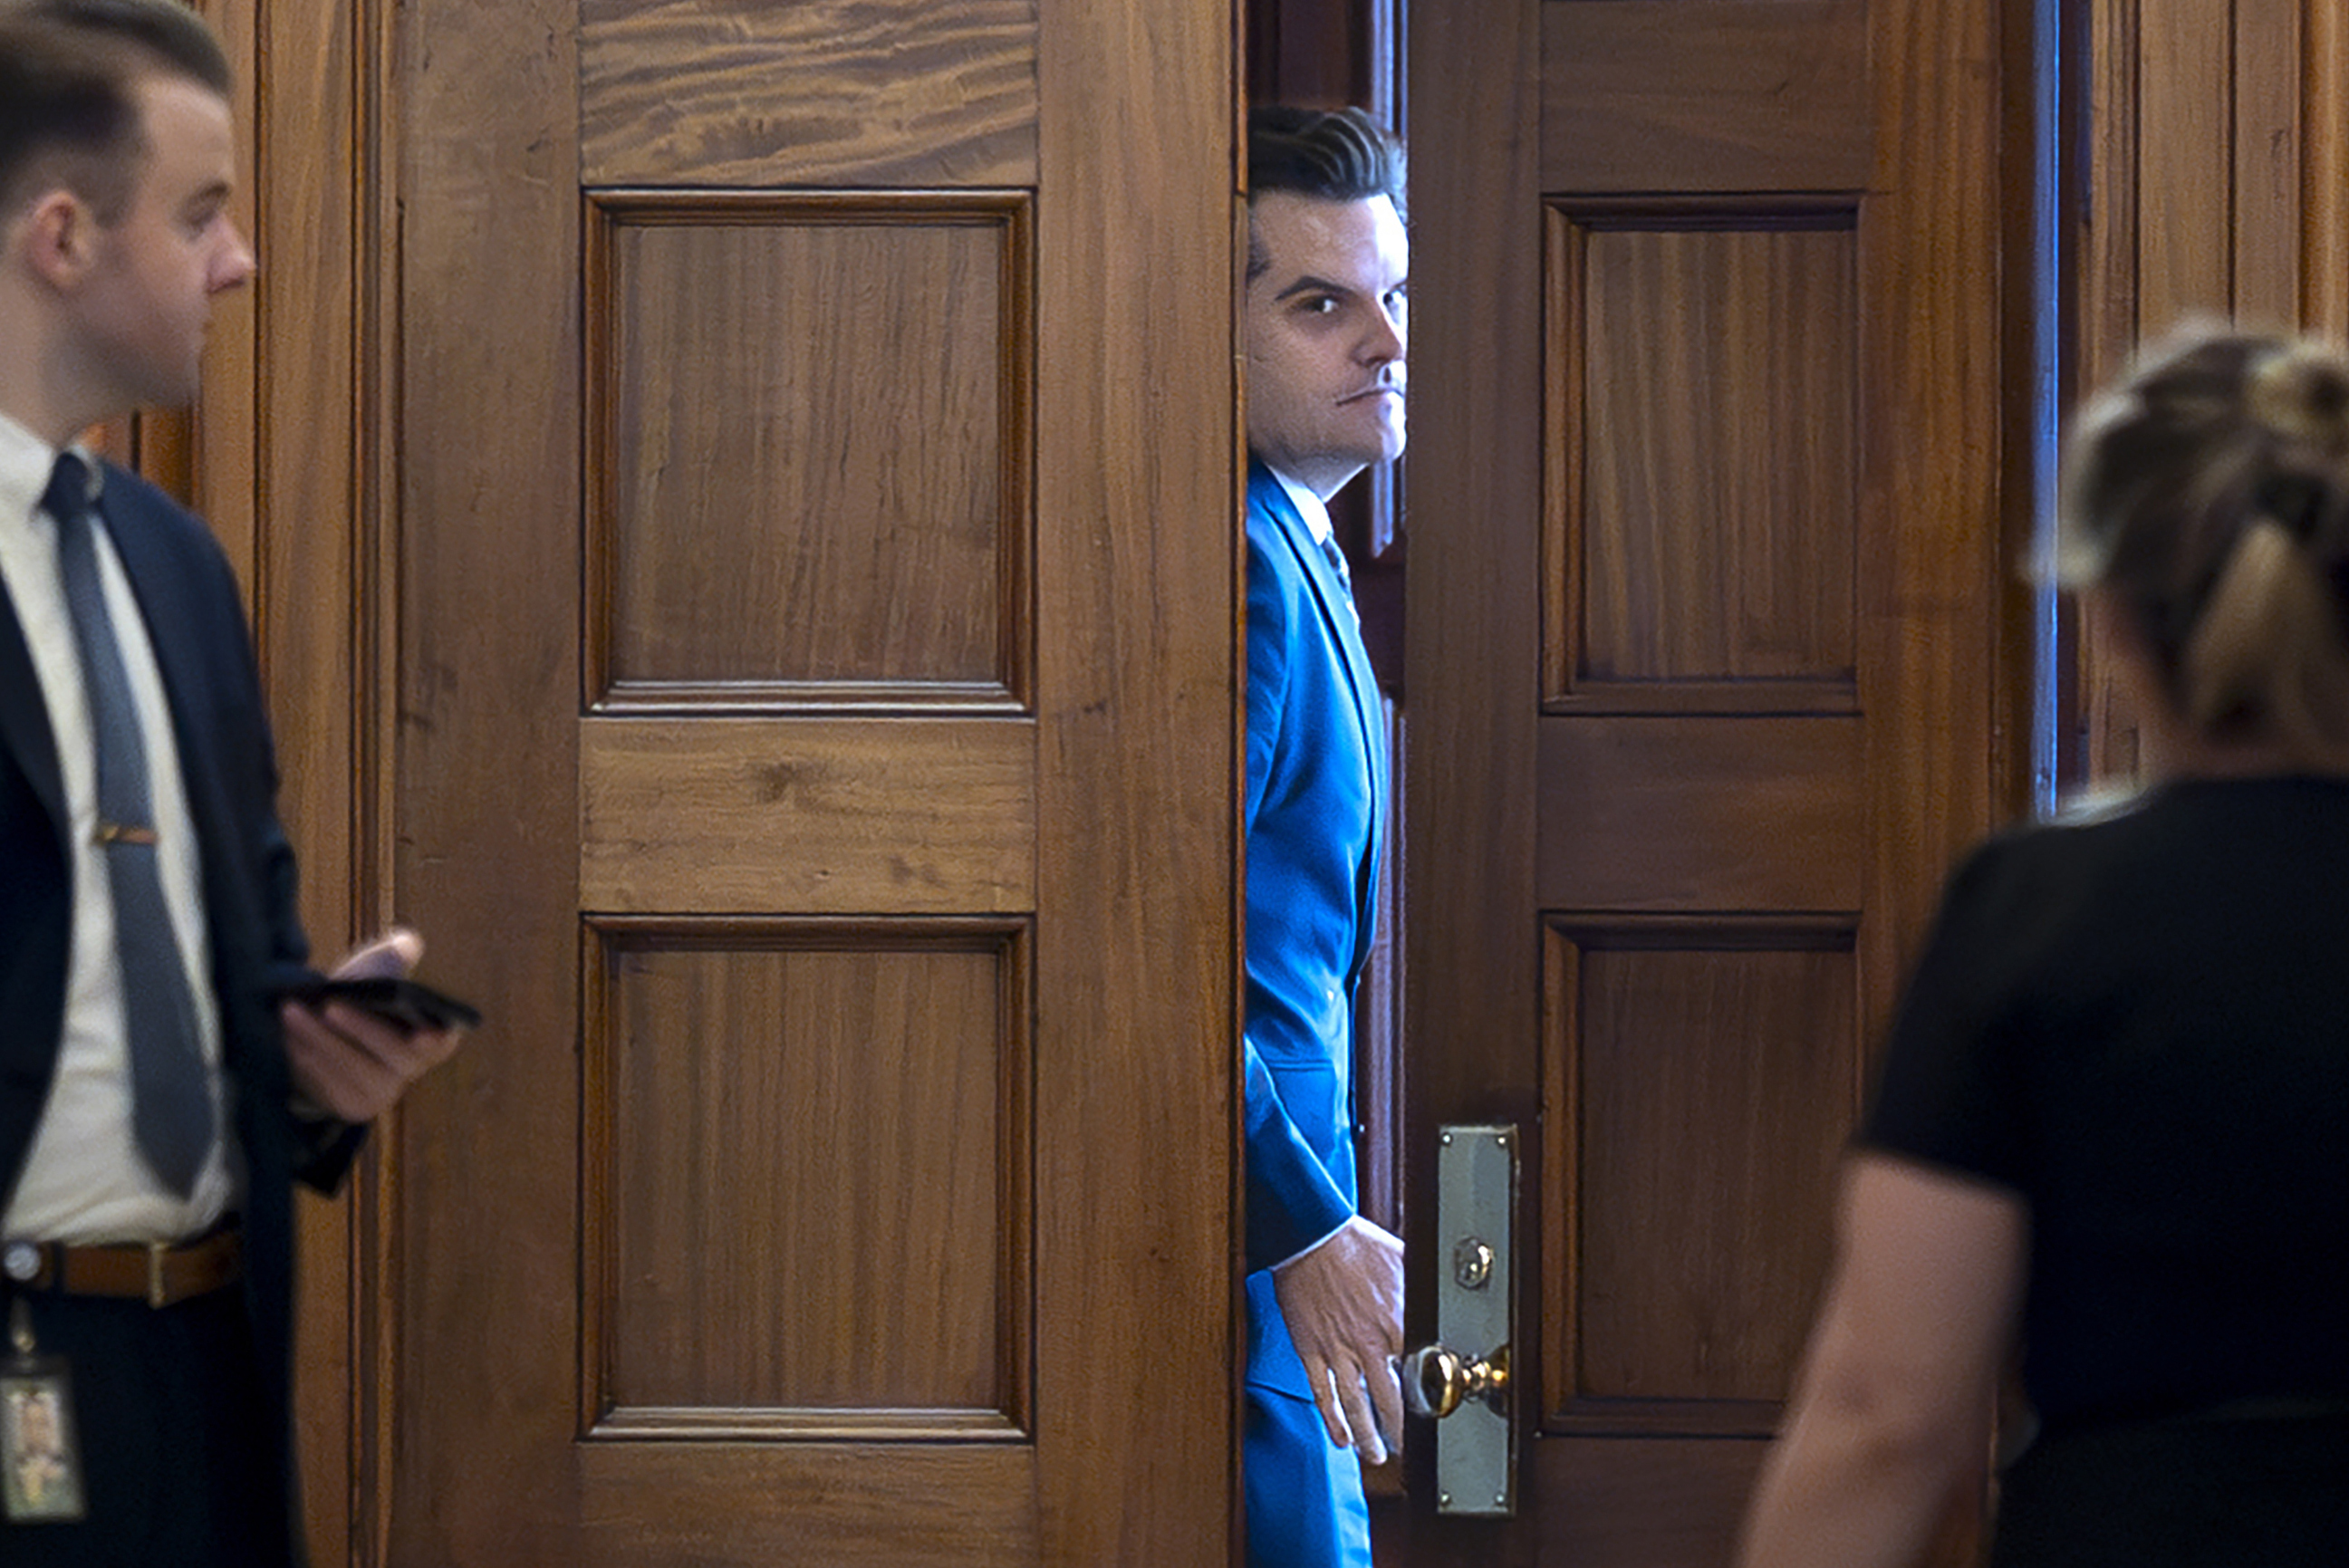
<point>409,1003</point>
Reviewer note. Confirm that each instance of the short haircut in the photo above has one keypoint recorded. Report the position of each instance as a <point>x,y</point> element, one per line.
<point>2207,494</point>
<point>1323,154</point>
<point>68,74</point>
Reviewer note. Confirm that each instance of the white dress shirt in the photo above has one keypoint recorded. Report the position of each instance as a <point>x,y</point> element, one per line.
<point>84,1181</point>
<point>1310,507</point>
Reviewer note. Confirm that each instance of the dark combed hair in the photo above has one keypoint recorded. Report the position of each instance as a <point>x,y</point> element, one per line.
<point>2208,492</point>
<point>1327,154</point>
<point>68,71</point>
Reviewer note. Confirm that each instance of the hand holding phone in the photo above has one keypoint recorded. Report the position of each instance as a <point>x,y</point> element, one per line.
<point>396,999</point>
<point>391,1030</point>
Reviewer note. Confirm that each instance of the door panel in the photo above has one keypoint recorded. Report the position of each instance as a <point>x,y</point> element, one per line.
<point>1702,655</point>
<point>815,746</point>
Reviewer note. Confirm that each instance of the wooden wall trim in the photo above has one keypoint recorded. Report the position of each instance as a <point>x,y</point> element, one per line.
<point>2324,169</point>
<point>2218,193</point>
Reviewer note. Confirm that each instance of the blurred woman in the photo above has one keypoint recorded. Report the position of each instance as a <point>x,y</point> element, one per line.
<point>2111,1133</point>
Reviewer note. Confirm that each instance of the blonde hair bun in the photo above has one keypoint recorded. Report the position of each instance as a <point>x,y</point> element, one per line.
<point>2302,394</point>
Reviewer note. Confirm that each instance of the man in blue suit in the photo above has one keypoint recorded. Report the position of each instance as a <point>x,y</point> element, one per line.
<point>1326,324</point>
<point>159,1091</point>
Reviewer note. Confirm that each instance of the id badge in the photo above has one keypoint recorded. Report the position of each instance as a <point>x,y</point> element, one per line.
<point>41,1455</point>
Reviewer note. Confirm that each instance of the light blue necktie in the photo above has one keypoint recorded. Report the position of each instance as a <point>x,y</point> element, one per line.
<point>171,1088</point>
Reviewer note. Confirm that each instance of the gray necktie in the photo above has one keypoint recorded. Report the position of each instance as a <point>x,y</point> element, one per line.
<point>170,1088</point>
<point>1337,559</point>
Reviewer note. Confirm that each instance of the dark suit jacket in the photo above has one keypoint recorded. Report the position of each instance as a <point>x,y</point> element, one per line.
<point>1315,818</point>
<point>188,598</point>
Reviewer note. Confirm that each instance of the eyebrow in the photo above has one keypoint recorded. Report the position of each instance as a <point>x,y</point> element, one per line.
<point>1311,283</point>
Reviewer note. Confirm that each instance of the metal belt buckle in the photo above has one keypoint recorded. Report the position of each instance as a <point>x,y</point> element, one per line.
<point>156,1298</point>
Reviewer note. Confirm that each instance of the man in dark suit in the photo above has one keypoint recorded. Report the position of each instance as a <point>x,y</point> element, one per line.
<point>1326,324</point>
<point>159,1091</point>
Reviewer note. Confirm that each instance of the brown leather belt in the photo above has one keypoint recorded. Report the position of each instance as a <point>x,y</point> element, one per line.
<point>159,1274</point>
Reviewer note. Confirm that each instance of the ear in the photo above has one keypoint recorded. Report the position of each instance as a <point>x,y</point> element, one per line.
<point>57,234</point>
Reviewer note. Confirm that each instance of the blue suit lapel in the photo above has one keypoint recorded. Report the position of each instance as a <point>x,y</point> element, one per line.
<point>1337,614</point>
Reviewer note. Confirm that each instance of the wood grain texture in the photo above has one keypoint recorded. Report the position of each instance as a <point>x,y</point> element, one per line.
<point>483,1298</point>
<point>665,1504</point>
<point>1693,813</point>
<point>808,816</point>
<point>1716,459</point>
<point>2268,134</point>
<point>2106,333</point>
<point>1636,1502</point>
<point>821,92</point>
<point>809,419</point>
<point>1827,816</point>
<point>849,1106</point>
<point>2325,167</point>
<point>1138,672</point>
<point>1704,95</point>
<point>1703,1053</point>
<point>2186,162</point>
<point>1934,587</point>
<point>1473,495</point>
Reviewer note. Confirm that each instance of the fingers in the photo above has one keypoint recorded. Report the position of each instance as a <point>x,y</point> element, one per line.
<point>1359,1412</point>
<point>1367,1441</point>
<point>1386,1393</point>
<point>354,1064</point>
<point>1324,1384</point>
<point>394,953</point>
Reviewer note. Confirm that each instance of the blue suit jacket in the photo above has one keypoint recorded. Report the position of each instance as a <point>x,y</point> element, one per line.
<point>188,599</point>
<point>1315,819</point>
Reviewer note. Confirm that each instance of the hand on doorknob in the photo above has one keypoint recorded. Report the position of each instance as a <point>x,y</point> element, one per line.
<point>1343,1304</point>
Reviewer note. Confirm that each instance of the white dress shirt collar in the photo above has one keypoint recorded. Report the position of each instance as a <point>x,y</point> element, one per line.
<point>1309,506</point>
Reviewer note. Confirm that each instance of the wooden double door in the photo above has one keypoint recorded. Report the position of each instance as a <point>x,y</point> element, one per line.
<point>797,535</point>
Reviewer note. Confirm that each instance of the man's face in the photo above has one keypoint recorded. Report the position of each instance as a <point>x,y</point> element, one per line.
<point>140,312</point>
<point>1327,322</point>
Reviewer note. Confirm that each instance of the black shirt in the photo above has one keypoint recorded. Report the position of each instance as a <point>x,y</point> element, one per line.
<point>2140,1024</point>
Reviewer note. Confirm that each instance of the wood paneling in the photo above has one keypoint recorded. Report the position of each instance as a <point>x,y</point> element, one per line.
<point>1694,813</point>
<point>2265,180</point>
<point>1704,95</point>
<point>1687,1064</point>
<point>482,1379</point>
<point>664,1505</point>
<point>1644,1501</point>
<point>2325,167</point>
<point>823,92</point>
<point>1707,462</point>
<point>2216,187</point>
<point>811,420</point>
<point>823,1098</point>
<point>1138,563</point>
<point>817,816</point>
<point>2186,161</point>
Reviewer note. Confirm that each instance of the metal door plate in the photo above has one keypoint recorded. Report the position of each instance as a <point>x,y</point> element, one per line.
<point>1476,1210</point>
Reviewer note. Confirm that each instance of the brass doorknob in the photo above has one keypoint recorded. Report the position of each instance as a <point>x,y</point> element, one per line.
<point>1436,1380</point>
